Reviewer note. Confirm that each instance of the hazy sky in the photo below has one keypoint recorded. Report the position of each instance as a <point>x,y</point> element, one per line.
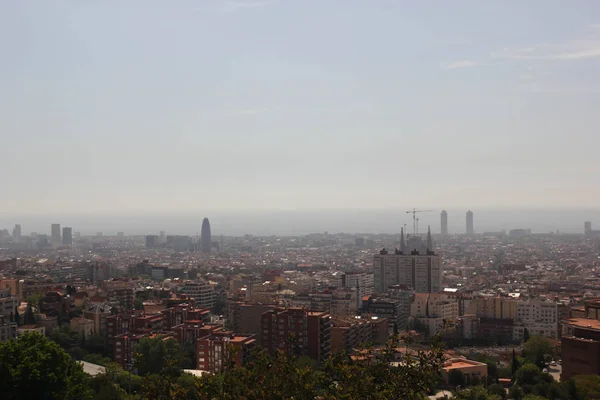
<point>156,105</point>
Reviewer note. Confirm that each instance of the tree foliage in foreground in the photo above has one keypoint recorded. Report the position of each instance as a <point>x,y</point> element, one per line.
<point>368,377</point>
<point>33,367</point>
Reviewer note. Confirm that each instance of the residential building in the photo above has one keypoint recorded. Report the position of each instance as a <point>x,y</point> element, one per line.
<point>97,313</point>
<point>298,331</point>
<point>580,347</point>
<point>8,328</point>
<point>389,309</point>
<point>422,272</point>
<point>201,291</point>
<point>82,326</point>
<point>437,311</point>
<point>216,350</point>
<point>21,330</point>
<point>8,304</point>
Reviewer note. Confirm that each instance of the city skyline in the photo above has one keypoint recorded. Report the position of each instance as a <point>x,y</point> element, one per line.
<point>205,92</point>
<point>302,223</point>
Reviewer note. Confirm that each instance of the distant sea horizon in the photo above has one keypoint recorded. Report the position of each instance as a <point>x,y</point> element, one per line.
<point>302,222</point>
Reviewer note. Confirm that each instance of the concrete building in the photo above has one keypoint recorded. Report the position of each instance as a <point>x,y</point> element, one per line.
<point>470,227</point>
<point>8,304</point>
<point>310,330</point>
<point>151,241</point>
<point>469,368</point>
<point>444,222</point>
<point>422,272</point>
<point>21,330</point>
<point>360,280</point>
<point>17,232</point>
<point>437,311</point>
<point>493,307</point>
<point>350,333</point>
<point>97,313</point>
<point>8,328</point>
<point>82,326</point>
<point>55,233</point>
<point>67,236</point>
<point>212,350</point>
<point>201,291</point>
<point>580,347</point>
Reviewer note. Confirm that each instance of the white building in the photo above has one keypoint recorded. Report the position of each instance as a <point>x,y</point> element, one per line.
<point>360,280</point>
<point>435,310</point>
<point>201,291</point>
<point>537,310</point>
<point>539,317</point>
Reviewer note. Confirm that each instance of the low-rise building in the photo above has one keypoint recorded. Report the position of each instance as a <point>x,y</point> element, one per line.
<point>83,327</point>
<point>470,369</point>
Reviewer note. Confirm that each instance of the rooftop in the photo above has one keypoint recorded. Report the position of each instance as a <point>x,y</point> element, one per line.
<point>583,323</point>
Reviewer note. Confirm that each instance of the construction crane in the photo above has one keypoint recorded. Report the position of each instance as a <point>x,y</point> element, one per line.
<point>414,212</point>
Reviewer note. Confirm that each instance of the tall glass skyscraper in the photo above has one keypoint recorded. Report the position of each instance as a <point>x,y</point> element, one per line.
<point>205,239</point>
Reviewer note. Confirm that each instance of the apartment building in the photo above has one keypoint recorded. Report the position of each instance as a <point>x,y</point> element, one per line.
<point>422,272</point>
<point>216,350</point>
<point>298,331</point>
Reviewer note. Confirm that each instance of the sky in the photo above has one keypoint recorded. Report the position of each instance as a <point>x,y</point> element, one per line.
<point>195,105</point>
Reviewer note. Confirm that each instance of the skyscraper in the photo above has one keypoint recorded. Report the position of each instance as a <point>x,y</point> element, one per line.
<point>55,233</point>
<point>67,236</point>
<point>587,227</point>
<point>205,239</point>
<point>470,229</point>
<point>444,220</point>
<point>17,232</point>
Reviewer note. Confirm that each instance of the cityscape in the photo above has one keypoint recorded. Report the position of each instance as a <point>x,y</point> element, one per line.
<point>299,200</point>
<point>483,293</point>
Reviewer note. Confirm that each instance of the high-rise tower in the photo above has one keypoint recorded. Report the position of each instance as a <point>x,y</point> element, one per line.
<point>205,239</point>
<point>67,236</point>
<point>470,229</point>
<point>17,232</point>
<point>444,221</point>
<point>55,233</point>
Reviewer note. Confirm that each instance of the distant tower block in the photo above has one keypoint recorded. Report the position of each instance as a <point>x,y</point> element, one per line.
<point>205,238</point>
<point>444,222</point>
<point>470,230</point>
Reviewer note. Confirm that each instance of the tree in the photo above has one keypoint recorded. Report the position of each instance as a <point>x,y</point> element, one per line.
<point>534,397</point>
<point>339,377</point>
<point>475,393</point>
<point>29,316</point>
<point>498,390</point>
<point>33,367</point>
<point>515,365</point>
<point>158,356</point>
<point>586,386</point>
<point>528,374</point>
<point>525,335</point>
<point>536,349</point>
<point>456,378</point>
